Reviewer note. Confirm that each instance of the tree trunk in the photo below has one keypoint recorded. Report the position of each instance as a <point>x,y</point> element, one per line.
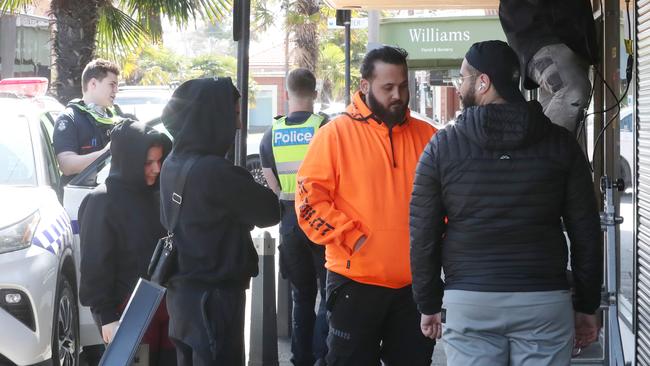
<point>75,30</point>
<point>306,34</point>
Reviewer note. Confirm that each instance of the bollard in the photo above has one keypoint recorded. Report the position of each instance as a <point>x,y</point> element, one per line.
<point>264,334</point>
<point>284,306</point>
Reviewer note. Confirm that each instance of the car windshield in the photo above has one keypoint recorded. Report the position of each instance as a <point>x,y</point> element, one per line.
<point>17,166</point>
<point>144,105</point>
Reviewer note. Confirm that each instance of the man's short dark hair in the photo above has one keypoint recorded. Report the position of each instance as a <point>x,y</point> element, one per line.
<point>98,69</point>
<point>301,82</point>
<point>387,54</point>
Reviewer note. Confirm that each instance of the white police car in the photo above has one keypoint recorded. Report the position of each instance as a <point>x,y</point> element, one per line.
<point>38,283</point>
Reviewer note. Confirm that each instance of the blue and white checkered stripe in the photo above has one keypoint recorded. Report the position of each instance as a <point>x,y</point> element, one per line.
<point>54,235</point>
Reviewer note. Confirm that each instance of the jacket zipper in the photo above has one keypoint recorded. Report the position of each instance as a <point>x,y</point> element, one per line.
<point>392,149</point>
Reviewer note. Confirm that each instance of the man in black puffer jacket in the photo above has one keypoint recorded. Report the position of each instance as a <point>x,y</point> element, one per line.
<point>120,226</point>
<point>489,198</point>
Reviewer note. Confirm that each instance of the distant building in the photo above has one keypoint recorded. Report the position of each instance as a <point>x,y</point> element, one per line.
<point>25,42</point>
<point>268,70</point>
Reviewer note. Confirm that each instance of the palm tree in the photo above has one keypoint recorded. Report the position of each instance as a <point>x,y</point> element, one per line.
<point>80,24</point>
<point>331,69</point>
<point>303,18</point>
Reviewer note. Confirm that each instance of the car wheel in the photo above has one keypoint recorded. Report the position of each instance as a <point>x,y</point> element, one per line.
<point>254,166</point>
<point>65,338</point>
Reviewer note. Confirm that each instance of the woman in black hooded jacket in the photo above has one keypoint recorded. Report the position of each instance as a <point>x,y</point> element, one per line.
<point>120,226</point>
<point>221,203</point>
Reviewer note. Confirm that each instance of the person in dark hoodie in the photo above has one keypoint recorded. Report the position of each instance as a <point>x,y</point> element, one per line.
<point>505,178</point>
<point>221,203</point>
<point>120,226</point>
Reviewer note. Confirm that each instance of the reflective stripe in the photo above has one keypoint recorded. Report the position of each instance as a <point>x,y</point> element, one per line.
<point>288,167</point>
<point>290,143</point>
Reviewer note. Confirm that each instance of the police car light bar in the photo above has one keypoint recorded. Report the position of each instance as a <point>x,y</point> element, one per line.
<point>29,87</point>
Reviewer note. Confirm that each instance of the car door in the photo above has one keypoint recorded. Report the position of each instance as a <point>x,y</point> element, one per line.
<point>73,194</point>
<point>53,174</point>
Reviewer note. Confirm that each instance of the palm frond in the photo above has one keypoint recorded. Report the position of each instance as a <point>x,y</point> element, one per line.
<point>263,16</point>
<point>118,34</point>
<point>12,6</point>
<point>180,12</point>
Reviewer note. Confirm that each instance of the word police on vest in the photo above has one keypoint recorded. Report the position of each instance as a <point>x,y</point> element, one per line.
<point>293,136</point>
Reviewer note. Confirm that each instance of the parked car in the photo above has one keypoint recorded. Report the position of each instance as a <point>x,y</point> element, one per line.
<point>144,102</point>
<point>39,310</point>
<point>626,130</point>
<point>32,91</point>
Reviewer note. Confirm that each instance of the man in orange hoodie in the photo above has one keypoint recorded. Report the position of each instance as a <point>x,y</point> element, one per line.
<point>353,197</point>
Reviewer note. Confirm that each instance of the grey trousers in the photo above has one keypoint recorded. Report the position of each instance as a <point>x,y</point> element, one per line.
<point>564,83</point>
<point>508,328</point>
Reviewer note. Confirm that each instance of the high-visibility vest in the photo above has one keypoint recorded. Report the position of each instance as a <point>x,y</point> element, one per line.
<point>111,118</point>
<point>290,144</point>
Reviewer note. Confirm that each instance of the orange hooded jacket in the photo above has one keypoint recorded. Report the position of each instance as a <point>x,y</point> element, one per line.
<point>356,180</point>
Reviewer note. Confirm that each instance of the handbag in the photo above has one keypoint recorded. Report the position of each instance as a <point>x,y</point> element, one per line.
<point>164,262</point>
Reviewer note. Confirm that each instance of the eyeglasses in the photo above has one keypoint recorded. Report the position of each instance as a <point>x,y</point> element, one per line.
<point>457,81</point>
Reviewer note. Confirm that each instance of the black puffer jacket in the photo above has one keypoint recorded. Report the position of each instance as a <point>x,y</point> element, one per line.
<point>120,223</point>
<point>505,177</point>
<point>221,202</point>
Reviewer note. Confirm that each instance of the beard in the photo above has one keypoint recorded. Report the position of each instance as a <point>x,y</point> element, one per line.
<point>391,116</point>
<point>469,99</point>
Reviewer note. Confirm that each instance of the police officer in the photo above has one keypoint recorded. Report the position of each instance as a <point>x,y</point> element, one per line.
<point>282,149</point>
<point>81,132</point>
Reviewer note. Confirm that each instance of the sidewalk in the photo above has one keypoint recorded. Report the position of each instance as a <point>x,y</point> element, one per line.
<point>284,353</point>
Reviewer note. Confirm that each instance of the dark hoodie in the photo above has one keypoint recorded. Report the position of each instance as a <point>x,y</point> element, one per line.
<point>506,178</point>
<point>120,223</point>
<point>221,202</point>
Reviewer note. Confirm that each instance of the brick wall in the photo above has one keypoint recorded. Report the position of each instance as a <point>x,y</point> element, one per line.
<point>279,82</point>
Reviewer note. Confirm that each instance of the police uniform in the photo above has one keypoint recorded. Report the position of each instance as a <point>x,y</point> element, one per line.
<point>282,149</point>
<point>83,130</point>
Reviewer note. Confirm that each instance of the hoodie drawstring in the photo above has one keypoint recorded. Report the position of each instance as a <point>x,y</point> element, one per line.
<point>392,149</point>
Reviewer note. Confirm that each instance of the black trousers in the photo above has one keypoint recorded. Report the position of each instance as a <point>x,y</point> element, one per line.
<point>207,325</point>
<point>303,263</point>
<point>369,324</point>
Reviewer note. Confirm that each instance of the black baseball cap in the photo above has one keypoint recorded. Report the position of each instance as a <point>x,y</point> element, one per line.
<point>498,61</point>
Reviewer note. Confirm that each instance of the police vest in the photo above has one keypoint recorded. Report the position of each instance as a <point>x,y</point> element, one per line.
<point>290,144</point>
<point>111,117</point>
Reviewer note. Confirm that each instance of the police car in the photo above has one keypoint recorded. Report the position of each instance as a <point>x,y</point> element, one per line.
<point>39,311</point>
<point>32,91</point>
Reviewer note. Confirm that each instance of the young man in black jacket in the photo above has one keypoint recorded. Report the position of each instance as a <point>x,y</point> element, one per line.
<point>556,43</point>
<point>82,131</point>
<point>221,203</point>
<point>489,198</point>
<point>120,226</point>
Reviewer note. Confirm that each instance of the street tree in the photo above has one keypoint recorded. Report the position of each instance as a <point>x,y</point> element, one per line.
<point>303,18</point>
